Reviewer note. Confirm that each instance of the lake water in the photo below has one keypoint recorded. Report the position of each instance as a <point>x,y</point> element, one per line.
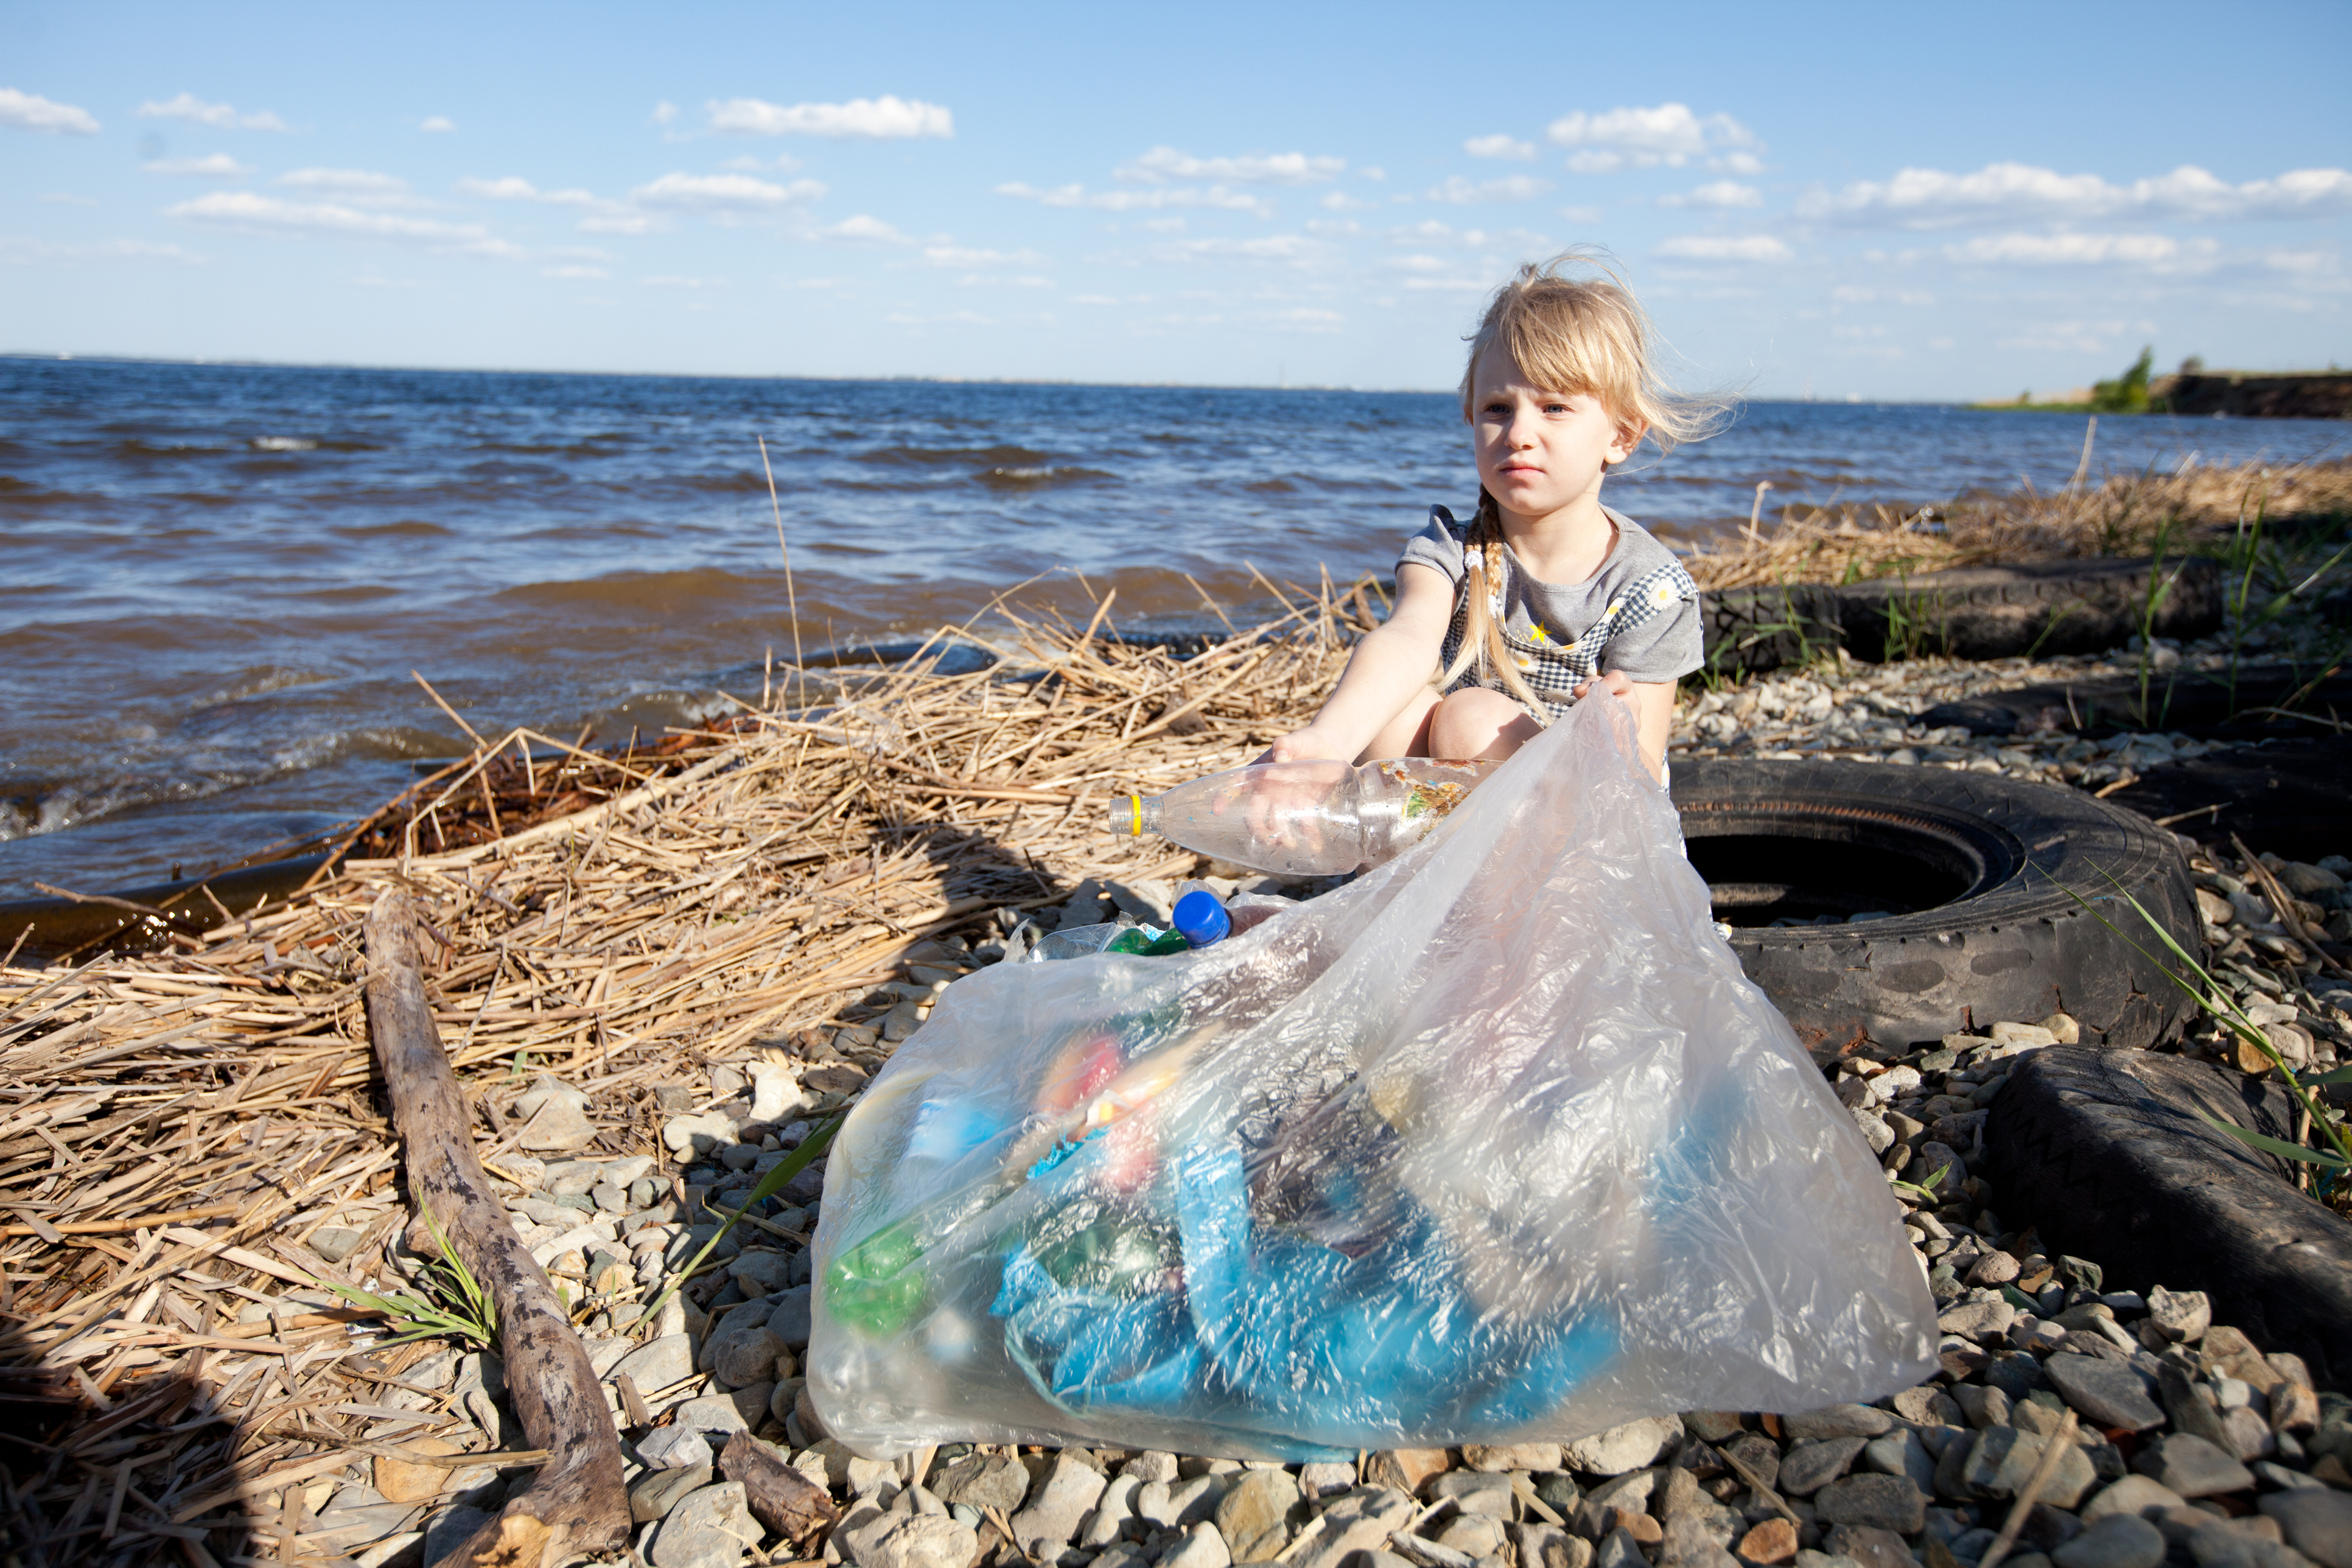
<point>218,578</point>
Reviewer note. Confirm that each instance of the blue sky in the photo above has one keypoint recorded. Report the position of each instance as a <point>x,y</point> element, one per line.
<point>1840,200</point>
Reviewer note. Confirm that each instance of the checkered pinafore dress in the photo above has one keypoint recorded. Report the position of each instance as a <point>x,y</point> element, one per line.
<point>1550,668</point>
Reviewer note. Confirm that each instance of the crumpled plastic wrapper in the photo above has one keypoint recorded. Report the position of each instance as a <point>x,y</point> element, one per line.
<point>1495,1144</point>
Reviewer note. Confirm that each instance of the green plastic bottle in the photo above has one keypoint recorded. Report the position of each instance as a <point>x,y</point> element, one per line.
<point>877,1286</point>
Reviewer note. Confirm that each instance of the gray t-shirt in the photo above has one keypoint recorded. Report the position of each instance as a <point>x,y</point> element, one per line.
<point>1638,614</point>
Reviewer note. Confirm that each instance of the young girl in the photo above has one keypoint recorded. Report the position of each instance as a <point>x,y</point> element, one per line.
<point>1545,594</point>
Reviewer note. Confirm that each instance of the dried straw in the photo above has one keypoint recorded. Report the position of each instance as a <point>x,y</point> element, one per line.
<point>2126,515</point>
<point>174,1127</point>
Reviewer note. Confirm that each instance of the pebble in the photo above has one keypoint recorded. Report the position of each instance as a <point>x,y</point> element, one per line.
<point>1882,1502</point>
<point>2108,1393</point>
<point>658,1491</point>
<point>2190,1466</point>
<point>708,1529</point>
<point>2118,1540</point>
<point>1253,1517</point>
<point>2136,1494</point>
<point>1809,1466</point>
<point>675,1448</point>
<point>1062,1502</point>
<point>2318,1523</point>
<point>1623,1448</point>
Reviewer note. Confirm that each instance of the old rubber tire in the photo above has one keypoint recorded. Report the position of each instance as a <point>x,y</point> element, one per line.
<point>1756,629</point>
<point>2103,1153</point>
<point>1972,871</point>
<point>2045,607</point>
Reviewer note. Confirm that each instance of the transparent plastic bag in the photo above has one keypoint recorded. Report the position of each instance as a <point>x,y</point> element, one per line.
<point>1494,1144</point>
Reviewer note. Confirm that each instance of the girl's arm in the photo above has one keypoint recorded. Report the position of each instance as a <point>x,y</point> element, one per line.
<point>1392,663</point>
<point>1652,702</point>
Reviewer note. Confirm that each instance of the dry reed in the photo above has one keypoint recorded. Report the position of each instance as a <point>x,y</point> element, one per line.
<point>2126,515</point>
<point>175,1127</point>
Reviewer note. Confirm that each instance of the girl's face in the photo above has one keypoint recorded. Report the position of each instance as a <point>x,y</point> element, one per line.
<point>1539,451</point>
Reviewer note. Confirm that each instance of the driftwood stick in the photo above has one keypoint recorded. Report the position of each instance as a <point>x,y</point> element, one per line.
<point>578,1505</point>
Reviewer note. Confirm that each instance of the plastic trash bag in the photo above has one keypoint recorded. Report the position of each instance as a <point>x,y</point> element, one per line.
<point>1494,1144</point>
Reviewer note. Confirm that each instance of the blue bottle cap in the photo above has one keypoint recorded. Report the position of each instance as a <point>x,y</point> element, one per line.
<point>1200,919</point>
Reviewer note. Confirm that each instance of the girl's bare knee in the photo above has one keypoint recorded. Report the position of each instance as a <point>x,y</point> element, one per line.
<point>1476,725</point>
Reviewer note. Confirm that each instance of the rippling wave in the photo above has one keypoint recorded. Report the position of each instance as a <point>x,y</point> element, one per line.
<point>219,578</point>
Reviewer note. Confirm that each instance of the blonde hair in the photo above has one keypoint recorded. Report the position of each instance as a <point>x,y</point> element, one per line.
<point>1572,334</point>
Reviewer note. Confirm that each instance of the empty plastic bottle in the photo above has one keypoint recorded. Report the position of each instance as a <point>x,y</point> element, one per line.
<point>1304,820</point>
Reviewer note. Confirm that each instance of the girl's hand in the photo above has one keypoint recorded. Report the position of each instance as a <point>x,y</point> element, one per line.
<point>1308,745</point>
<point>1652,702</point>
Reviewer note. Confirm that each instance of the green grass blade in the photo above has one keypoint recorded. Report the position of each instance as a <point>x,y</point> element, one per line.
<point>774,1182</point>
<point>2341,1075</point>
<point>2269,1145</point>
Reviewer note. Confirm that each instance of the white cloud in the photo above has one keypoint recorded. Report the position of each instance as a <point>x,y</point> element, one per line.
<point>861,229</point>
<point>944,254</point>
<point>1642,138</point>
<point>514,188</point>
<point>361,186</point>
<point>2155,250</point>
<point>1580,215</point>
<point>68,199</point>
<point>1725,248</point>
<point>1511,188</point>
<point>1430,231</point>
<point>438,124</point>
<point>671,280</point>
<point>220,116</point>
<point>31,111</point>
<point>1341,202</point>
<point>722,193</point>
<point>217,166</point>
<point>1716,194</point>
<point>623,222</point>
<point>1161,196</point>
<point>884,116</point>
<point>664,112</point>
<point>271,215</point>
<point>2010,192</point>
<point>573,269</point>
<point>1498,146</point>
<point>1163,164</point>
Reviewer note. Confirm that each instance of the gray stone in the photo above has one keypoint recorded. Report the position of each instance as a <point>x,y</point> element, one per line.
<point>1808,1558</point>
<point>1695,1542</point>
<point>1323,1479</point>
<point>1882,1502</point>
<point>1179,1504</point>
<point>1836,1421</point>
<point>922,1540</point>
<point>1202,1547</point>
<point>759,1270</point>
<point>1061,1505</point>
<point>2134,1495</point>
<point>2318,1523</point>
<point>1632,1446</point>
<point>1869,1547</point>
<point>790,1321</point>
<point>1547,1546</point>
<point>1619,1550</point>
<point>743,1350</point>
<point>2192,1468</point>
<point>1529,1457</point>
<point>1474,1535</point>
<point>2109,1392</point>
<point>2274,1477</point>
<point>554,1117</point>
<point>1473,1492</point>
<point>708,1528</point>
<point>1713,1426</point>
<point>984,1481</point>
<point>711,1413</point>
<point>675,1448</point>
<point>2003,1458</point>
<point>1927,1406</point>
<point>1809,1466</point>
<point>336,1242</point>
<point>1595,1511</point>
<point>2118,1540</point>
<point>2179,1315</point>
<point>1759,1454</point>
<point>1108,1523</point>
<point>659,1491</point>
<point>1254,1516</point>
<point>1982,1320</point>
<point>655,1366</point>
<point>1152,1466</point>
<point>1359,1521</point>
<point>1901,1453</point>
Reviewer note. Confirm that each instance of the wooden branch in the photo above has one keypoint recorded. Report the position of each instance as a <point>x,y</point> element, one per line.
<point>578,1505</point>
